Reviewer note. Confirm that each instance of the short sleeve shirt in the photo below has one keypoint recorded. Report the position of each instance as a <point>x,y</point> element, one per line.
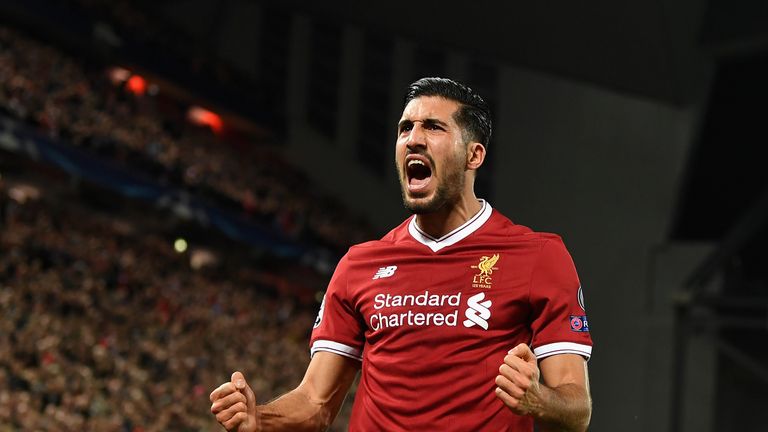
<point>432,319</point>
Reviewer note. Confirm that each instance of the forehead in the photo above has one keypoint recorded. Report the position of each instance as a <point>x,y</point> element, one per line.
<point>430,107</point>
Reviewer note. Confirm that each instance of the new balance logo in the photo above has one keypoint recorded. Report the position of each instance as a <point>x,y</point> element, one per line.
<point>478,311</point>
<point>385,272</point>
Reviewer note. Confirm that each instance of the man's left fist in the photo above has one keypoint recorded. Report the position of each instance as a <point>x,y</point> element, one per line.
<point>517,384</point>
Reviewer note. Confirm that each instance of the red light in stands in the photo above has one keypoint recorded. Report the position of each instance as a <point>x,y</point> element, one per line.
<point>137,85</point>
<point>203,117</point>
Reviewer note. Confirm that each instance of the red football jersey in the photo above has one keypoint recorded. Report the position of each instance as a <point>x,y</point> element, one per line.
<point>432,319</point>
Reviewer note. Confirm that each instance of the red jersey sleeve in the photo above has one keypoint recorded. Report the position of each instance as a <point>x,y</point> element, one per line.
<point>559,321</point>
<point>338,327</point>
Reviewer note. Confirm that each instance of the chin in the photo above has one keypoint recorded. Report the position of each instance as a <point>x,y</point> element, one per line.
<point>422,205</point>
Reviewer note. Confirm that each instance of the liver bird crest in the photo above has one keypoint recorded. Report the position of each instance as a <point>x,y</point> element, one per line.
<point>486,265</point>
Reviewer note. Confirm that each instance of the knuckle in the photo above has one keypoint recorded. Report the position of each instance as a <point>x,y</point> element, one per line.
<point>525,372</point>
<point>524,385</point>
<point>232,422</point>
<point>235,420</point>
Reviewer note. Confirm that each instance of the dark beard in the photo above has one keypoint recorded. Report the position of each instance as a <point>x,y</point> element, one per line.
<point>448,192</point>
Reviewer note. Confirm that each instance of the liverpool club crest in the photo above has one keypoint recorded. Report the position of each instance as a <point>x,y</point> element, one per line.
<point>486,267</point>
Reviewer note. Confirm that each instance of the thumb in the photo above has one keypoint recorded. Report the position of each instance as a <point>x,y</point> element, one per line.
<point>238,379</point>
<point>524,352</point>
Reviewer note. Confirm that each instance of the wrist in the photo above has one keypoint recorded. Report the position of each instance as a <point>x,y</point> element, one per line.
<point>540,400</point>
<point>257,418</point>
<point>562,408</point>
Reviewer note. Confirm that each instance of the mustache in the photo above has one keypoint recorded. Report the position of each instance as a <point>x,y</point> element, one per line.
<point>421,152</point>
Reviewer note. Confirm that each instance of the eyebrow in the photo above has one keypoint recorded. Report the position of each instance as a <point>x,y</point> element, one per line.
<point>428,121</point>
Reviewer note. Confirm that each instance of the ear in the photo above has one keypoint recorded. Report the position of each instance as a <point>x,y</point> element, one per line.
<point>475,155</point>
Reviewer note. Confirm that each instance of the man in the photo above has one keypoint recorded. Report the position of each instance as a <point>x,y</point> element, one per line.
<point>459,319</point>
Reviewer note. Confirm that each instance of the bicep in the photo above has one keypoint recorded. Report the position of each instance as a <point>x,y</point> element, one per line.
<point>328,378</point>
<point>558,370</point>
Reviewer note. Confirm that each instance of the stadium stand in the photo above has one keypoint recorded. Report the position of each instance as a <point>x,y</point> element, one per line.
<point>46,88</point>
<point>103,326</point>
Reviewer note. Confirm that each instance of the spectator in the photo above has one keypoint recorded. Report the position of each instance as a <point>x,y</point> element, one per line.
<point>104,327</point>
<point>50,90</point>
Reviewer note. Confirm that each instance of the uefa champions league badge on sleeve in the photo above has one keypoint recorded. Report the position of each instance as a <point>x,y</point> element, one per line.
<point>319,318</point>
<point>579,323</point>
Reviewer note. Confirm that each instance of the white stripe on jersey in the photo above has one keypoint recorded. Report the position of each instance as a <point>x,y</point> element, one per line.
<point>336,348</point>
<point>453,237</point>
<point>563,348</point>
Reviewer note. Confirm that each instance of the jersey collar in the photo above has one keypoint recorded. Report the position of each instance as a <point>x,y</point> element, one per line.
<point>473,224</point>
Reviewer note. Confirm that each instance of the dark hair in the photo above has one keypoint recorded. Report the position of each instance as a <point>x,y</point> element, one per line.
<point>473,115</point>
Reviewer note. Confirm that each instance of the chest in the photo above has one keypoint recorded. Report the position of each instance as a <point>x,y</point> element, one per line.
<point>464,295</point>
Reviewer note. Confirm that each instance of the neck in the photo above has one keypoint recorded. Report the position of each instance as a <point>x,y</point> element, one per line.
<point>452,216</point>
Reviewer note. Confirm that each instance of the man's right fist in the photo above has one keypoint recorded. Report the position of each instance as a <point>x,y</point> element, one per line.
<point>234,405</point>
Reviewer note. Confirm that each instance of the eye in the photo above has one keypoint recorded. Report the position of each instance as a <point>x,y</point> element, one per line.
<point>406,127</point>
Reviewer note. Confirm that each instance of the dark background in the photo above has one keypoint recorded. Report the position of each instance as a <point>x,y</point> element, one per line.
<point>634,129</point>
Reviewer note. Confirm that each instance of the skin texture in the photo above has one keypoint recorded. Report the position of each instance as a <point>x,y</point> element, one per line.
<point>555,391</point>
<point>428,128</point>
<point>561,402</point>
<point>311,406</point>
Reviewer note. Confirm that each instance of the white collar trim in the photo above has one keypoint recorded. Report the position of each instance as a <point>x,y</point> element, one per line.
<point>473,224</point>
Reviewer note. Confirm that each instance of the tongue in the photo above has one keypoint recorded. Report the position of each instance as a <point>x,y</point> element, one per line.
<point>418,176</point>
<point>418,183</point>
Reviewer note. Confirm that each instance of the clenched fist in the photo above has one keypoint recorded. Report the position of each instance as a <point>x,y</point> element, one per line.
<point>234,405</point>
<point>518,381</point>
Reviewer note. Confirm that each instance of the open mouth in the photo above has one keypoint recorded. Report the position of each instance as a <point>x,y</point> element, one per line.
<point>419,172</point>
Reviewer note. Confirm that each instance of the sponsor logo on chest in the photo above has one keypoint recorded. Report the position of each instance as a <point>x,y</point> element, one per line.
<point>431,309</point>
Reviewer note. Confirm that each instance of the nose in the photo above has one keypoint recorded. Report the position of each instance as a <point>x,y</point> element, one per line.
<point>417,137</point>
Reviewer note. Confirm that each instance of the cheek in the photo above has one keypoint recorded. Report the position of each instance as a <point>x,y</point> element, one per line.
<point>400,150</point>
<point>400,145</point>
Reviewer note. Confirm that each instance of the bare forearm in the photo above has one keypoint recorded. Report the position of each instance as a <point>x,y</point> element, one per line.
<point>566,408</point>
<point>312,406</point>
<point>295,411</point>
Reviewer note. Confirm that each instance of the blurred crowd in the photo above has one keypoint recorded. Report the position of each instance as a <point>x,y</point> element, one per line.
<point>103,327</point>
<point>49,89</point>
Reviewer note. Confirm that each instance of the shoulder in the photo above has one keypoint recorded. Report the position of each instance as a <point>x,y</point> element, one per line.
<point>503,226</point>
<point>523,242</point>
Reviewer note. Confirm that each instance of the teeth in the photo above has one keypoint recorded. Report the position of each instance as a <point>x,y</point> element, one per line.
<point>414,162</point>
